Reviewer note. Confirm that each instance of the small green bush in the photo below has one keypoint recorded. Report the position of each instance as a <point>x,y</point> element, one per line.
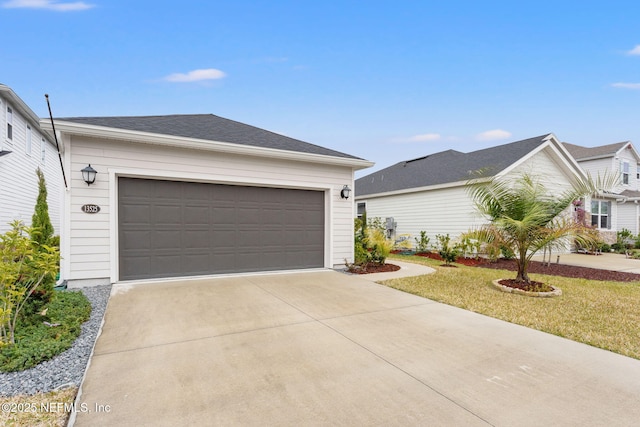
<point>605,247</point>
<point>37,342</point>
<point>447,251</point>
<point>422,243</point>
<point>618,247</point>
<point>378,245</point>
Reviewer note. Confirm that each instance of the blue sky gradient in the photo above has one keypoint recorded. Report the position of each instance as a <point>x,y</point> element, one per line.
<point>386,81</point>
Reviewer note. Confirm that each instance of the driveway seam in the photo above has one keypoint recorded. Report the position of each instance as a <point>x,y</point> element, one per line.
<point>207,337</point>
<point>322,322</point>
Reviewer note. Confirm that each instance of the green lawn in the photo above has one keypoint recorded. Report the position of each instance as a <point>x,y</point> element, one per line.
<point>598,313</point>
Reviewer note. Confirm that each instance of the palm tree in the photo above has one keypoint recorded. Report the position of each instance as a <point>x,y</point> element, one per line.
<point>525,217</point>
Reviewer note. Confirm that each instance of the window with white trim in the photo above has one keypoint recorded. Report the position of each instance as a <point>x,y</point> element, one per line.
<point>9,123</point>
<point>601,214</point>
<point>43,150</point>
<point>27,145</point>
<point>625,173</point>
<point>361,208</point>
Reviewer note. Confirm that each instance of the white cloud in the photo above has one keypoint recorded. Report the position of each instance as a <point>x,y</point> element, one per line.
<point>492,135</point>
<point>195,76</point>
<point>47,4</point>
<point>634,51</point>
<point>635,86</point>
<point>425,137</point>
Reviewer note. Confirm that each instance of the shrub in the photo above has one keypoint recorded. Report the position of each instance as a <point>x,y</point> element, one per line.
<point>41,232</point>
<point>378,245</point>
<point>447,251</point>
<point>360,252</point>
<point>40,221</point>
<point>37,342</point>
<point>624,239</point>
<point>618,247</point>
<point>370,242</point>
<point>605,247</point>
<point>422,244</point>
<point>24,266</point>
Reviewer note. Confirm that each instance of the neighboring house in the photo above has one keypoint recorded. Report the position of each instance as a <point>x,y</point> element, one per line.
<point>612,211</point>
<point>429,193</point>
<point>193,195</point>
<point>24,148</point>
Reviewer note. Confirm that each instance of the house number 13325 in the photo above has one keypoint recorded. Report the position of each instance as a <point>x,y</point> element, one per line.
<point>90,209</point>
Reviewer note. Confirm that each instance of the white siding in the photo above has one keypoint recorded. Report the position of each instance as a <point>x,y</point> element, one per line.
<point>451,210</point>
<point>437,212</point>
<point>627,156</point>
<point>92,249</point>
<point>19,182</point>
<point>628,217</point>
<point>598,166</point>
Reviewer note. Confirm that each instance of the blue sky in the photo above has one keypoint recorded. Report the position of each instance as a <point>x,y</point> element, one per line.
<point>382,80</point>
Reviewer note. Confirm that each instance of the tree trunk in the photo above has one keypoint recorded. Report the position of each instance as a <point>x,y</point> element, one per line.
<point>522,274</point>
<point>522,263</point>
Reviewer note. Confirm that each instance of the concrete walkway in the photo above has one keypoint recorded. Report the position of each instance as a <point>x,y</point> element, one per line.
<point>608,261</point>
<point>326,348</point>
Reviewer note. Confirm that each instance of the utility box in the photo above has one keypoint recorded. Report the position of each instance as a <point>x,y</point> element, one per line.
<point>390,226</point>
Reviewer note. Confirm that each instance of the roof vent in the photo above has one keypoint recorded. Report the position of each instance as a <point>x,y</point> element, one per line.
<point>416,159</point>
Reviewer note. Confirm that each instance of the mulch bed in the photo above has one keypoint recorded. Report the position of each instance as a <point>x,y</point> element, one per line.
<point>551,269</point>
<point>374,268</point>
<point>566,271</point>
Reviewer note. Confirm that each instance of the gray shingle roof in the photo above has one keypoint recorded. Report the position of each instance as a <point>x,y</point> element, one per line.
<point>579,152</point>
<point>208,127</point>
<point>445,167</point>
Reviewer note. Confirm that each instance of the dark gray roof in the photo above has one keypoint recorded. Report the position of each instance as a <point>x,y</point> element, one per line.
<point>208,127</point>
<point>445,167</point>
<point>579,152</point>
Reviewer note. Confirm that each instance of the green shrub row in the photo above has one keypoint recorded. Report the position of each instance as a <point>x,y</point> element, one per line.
<point>35,341</point>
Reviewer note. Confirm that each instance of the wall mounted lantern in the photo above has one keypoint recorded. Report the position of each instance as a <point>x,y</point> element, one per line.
<point>344,193</point>
<point>89,174</point>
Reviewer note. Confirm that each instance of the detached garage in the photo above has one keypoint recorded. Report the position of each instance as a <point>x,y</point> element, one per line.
<point>196,195</point>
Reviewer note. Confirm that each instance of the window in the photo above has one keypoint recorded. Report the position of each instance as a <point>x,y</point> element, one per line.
<point>9,123</point>
<point>625,173</point>
<point>27,146</point>
<point>601,214</point>
<point>361,209</point>
<point>43,150</point>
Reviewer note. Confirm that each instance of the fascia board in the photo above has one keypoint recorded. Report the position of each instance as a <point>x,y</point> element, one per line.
<point>633,150</point>
<point>561,153</point>
<point>24,110</point>
<point>199,144</point>
<point>421,189</point>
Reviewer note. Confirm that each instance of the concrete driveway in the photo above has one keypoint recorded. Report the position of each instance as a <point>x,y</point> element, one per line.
<point>326,348</point>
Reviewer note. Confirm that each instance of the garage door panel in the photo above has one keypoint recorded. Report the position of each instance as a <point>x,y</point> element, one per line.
<point>196,215</point>
<point>170,229</point>
<point>137,214</point>
<point>166,239</point>
<point>198,263</point>
<point>165,214</point>
<point>137,240</point>
<point>166,265</point>
<point>223,215</point>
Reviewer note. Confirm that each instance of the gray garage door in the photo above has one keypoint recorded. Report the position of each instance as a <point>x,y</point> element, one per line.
<point>171,229</point>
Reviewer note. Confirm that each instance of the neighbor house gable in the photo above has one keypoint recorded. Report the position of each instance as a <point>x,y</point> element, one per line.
<point>449,209</point>
<point>452,168</point>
